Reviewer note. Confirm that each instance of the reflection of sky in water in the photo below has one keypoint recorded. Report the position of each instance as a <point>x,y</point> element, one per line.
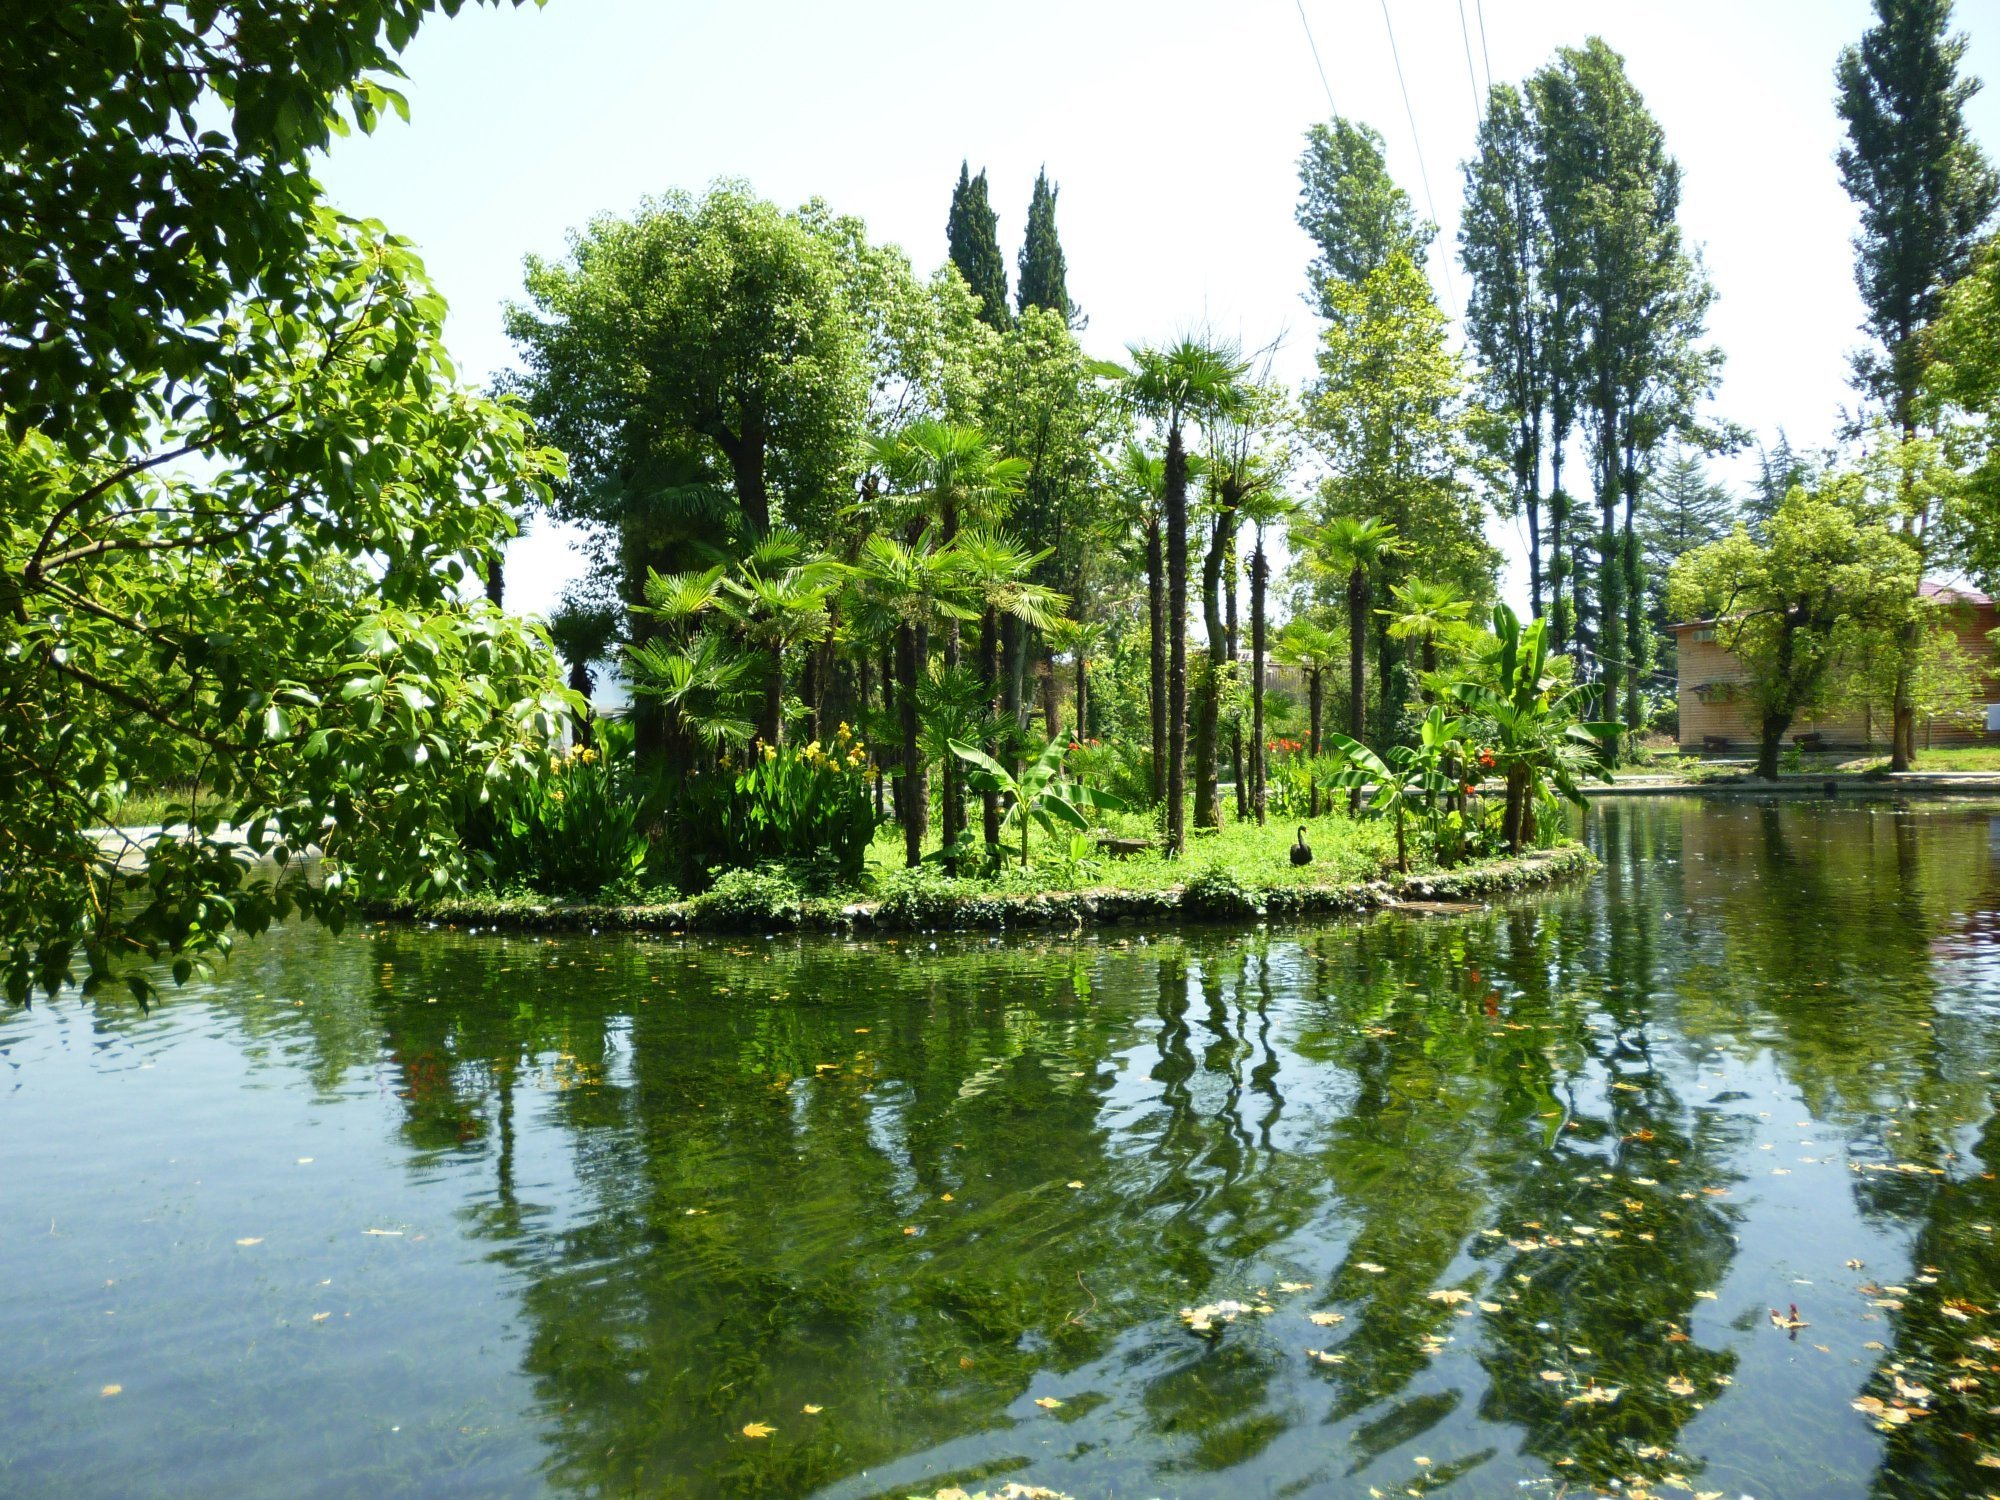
<point>632,1195</point>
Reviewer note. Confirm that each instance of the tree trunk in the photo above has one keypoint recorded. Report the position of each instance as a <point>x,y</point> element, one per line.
<point>1610,591</point>
<point>496,576</point>
<point>1232,565</point>
<point>1156,694</point>
<point>1051,694</point>
<point>916,787</point>
<point>1082,695</point>
<point>771,724</point>
<point>1315,709</point>
<point>1903,716</point>
<point>1559,615</point>
<point>1208,712</point>
<point>861,720</point>
<point>1357,667</point>
<point>581,682</point>
<point>1771,740</point>
<point>1260,569</point>
<point>1177,560</point>
<point>1635,601</point>
<point>989,672</point>
<point>1512,820</point>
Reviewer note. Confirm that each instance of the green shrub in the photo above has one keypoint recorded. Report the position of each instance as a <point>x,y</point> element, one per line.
<point>576,829</point>
<point>1218,891</point>
<point>811,810</point>
<point>922,897</point>
<point>749,899</point>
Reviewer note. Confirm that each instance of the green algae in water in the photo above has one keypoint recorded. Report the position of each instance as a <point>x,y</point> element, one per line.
<point>412,1212</point>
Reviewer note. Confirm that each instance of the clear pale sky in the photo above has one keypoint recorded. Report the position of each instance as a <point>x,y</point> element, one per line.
<point>1172,128</point>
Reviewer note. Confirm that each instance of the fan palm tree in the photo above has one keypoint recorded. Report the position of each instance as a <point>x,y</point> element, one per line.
<point>1356,547</point>
<point>582,629</point>
<point>1139,478</point>
<point>997,571</point>
<point>1190,380</point>
<point>1427,613</point>
<point>909,587</point>
<point>1262,508</point>
<point>949,472</point>
<point>1315,651</point>
<point>777,599</point>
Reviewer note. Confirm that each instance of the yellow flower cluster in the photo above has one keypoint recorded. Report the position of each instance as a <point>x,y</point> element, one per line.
<point>845,752</point>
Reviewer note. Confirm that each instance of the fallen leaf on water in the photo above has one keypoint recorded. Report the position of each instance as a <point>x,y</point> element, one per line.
<point>1706,1296</point>
<point>1491,1307</point>
<point>321,1317</point>
<point>1422,1462</point>
<point>390,1233</point>
<point>1680,1385</point>
<point>1854,1265</point>
<point>1072,1184</point>
<point>1989,1461</point>
<point>1327,1319</point>
<point>1047,1403</point>
<point>112,1390</point>
<point>1554,1377</point>
<point>255,1239</point>
<point>1371,1268</point>
<point>758,1429</point>
<point>909,1229</point>
<point>1323,1357</point>
<point>1450,1296</point>
<point>1295,1286</point>
<point>810,1410</point>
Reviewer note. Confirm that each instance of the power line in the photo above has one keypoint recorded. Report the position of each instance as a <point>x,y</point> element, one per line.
<point>1331,107</point>
<point>1485,57</point>
<point>1471,73</point>
<point>1423,173</point>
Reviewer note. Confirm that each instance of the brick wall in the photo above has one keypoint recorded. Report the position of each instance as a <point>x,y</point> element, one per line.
<point>1720,714</point>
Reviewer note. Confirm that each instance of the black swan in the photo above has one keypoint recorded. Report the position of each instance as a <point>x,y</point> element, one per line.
<point>1302,852</point>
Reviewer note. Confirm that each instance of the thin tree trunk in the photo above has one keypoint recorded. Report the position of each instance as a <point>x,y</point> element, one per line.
<point>771,727</point>
<point>1231,567</point>
<point>1635,600</point>
<point>989,672</point>
<point>1315,711</point>
<point>1357,666</point>
<point>1560,617</point>
<point>1082,695</point>
<point>1208,712</point>
<point>1177,561</point>
<point>916,789</point>
<point>1051,694</point>
<point>1770,741</point>
<point>1156,681</point>
<point>1260,570</point>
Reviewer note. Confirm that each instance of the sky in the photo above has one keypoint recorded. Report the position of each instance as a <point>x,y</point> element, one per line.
<point>1172,129</point>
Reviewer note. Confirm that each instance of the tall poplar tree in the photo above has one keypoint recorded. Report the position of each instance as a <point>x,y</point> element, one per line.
<point>1352,208</point>
<point>1503,241</point>
<point>1044,273</point>
<point>1924,187</point>
<point>1641,300</point>
<point>1925,190</point>
<point>973,233</point>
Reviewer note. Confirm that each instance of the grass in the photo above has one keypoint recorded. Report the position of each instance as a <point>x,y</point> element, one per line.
<point>145,807</point>
<point>1344,851</point>
<point>1696,769</point>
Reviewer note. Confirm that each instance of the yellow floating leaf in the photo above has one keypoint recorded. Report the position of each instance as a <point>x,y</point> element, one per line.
<point>1450,1296</point>
<point>387,1233</point>
<point>1491,1307</point>
<point>1047,1403</point>
<point>1706,1296</point>
<point>758,1429</point>
<point>112,1390</point>
<point>1554,1377</point>
<point>1680,1385</point>
<point>810,1410</point>
<point>321,1317</point>
<point>944,1197</point>
<point>1327,1319</point>
<point>1422,1462</point>
<point>1072,1185</point>
<point>1295,1286</point>
<point>254,1239</point>
<point>1371,1268</point>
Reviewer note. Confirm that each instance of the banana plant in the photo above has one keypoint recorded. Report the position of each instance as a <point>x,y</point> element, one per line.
<point>1411,779</point>
<point>1541,741</point>
<point>1041,793</point>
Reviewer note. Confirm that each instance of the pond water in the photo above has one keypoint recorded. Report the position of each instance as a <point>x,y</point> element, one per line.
<point>429,1213</point>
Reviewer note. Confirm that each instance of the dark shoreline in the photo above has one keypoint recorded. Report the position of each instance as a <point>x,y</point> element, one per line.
<point>1101,907</point>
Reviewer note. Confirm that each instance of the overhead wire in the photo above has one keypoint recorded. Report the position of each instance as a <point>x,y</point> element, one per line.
<point>1485,57</point>
<point>1423,173</point>
<point>1332,108</point>
<point>1471,73</point>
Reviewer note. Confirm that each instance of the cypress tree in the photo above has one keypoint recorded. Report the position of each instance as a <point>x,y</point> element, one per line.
<point>1044,274</point>
<point>1924,187</point>
<point>974,235</point>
